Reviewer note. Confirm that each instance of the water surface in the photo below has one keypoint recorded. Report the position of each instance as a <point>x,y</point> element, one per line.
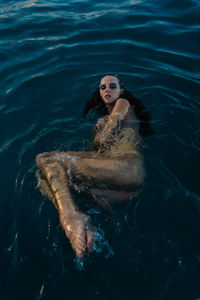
<point>52,55</point>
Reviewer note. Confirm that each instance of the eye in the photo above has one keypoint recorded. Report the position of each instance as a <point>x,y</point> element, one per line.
<point>103,87</point>
<point>113,86</point>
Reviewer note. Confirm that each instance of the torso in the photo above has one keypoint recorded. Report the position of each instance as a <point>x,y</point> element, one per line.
<point>124,140</point>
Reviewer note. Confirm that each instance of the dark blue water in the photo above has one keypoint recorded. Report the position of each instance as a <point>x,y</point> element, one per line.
<point>52,55</point>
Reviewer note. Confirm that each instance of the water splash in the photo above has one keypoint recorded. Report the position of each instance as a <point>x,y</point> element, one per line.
<point>101,246</point>
<point>80,262</point>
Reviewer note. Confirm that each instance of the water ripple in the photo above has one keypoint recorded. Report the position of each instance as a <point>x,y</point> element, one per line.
<point>52,55</point>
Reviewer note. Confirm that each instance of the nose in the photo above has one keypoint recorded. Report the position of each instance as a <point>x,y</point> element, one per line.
<point>107,88</point>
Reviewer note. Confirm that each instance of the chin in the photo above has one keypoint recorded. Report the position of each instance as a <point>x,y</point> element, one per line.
<point>109,101</point>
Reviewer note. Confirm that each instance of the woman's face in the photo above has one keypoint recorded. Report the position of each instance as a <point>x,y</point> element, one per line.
<point>110,89</point>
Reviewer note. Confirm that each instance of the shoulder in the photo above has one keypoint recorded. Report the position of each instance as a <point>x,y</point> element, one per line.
<point>121,106</point>
<point>122,102</point>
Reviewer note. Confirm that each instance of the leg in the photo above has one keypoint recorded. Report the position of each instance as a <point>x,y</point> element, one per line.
<point>97,174</point>
<point>44,187</point>
<point>57,189</point>
<point>112,179</point>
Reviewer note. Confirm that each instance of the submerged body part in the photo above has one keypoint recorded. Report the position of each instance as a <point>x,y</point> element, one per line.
<point>110,173</point>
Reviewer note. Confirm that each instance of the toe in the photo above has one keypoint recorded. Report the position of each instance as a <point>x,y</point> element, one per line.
<point>90,240</point>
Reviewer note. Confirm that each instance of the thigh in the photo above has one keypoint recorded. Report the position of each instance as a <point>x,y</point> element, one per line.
<point>94,170</point>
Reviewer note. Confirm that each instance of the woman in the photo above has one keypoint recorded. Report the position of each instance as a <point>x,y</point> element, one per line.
<point>111,173</point>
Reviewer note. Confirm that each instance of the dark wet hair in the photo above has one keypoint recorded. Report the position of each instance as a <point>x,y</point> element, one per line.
<point>96,104</point>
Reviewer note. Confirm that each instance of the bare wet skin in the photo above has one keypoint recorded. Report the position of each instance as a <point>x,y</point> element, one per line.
<point>110,175</point>
<point>77,229</point>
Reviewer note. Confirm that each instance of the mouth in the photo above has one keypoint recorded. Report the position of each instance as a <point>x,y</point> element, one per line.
<point>107,96</point>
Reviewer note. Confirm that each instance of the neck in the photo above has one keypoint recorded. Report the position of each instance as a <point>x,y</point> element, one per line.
<point>110,106</point>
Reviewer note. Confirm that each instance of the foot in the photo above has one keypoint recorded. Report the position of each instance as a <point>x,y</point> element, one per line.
<point>77,230</point>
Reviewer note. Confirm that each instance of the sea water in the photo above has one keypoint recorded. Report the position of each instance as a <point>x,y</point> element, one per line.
<point>52,55</point>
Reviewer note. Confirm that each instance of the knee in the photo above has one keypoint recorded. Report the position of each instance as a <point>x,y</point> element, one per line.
<point>44,158</point>
<point>40,159</point>
<point>135,182</point>
<point>136,176</point>
<point>139,180</point>
<point>140,174</point>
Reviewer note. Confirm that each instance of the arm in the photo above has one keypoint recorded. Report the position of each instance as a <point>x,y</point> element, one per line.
<point>98,127</point>
<point>114,119</point>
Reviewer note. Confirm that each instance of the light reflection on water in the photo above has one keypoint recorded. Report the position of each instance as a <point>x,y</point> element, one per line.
<point>52,56</point>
